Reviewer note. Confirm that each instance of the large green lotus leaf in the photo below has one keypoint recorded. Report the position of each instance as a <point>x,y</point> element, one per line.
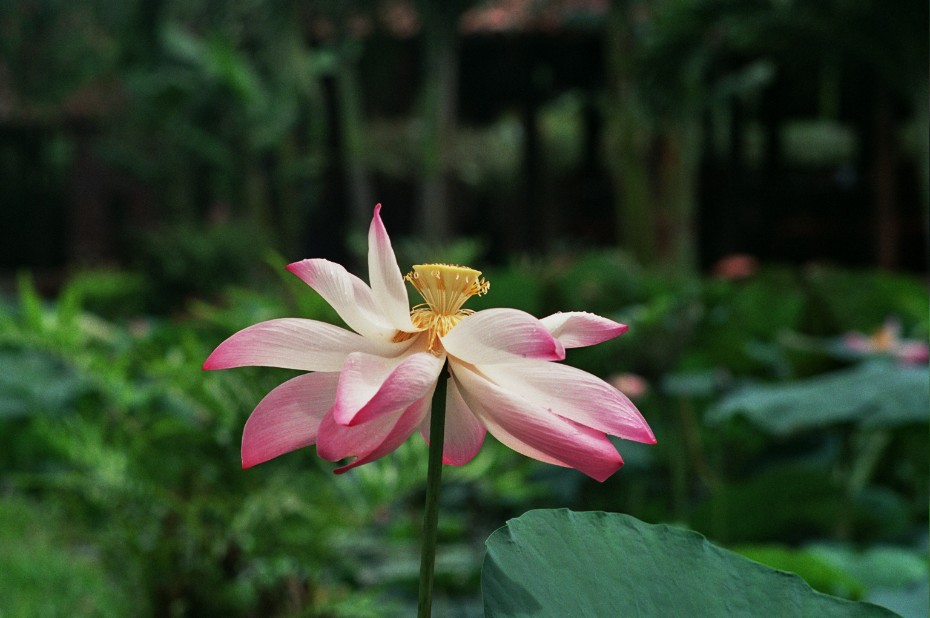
<point>875,394</point>
<point>559,563</point>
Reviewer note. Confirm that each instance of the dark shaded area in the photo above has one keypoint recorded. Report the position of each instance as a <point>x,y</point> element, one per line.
<point>197,117</point>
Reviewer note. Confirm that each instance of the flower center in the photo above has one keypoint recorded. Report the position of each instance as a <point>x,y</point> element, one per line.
<point>445,288</point>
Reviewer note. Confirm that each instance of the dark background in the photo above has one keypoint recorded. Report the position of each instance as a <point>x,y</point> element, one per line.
<point>679,131</point>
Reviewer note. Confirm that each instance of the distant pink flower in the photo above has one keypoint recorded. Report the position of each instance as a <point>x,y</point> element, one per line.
<point>736,266</point>
<point>887,341</point>
<point>371,389</point>
<point>632,385</point>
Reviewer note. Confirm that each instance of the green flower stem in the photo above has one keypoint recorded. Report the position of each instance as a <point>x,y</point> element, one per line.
<point>437,428</point>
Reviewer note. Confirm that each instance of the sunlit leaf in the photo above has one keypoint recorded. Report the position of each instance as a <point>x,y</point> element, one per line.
<point>820,572</point>
<point>881,566</point>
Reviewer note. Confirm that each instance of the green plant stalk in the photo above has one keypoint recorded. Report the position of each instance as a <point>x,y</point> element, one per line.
<point>870,448</point>
<point>437,428</point>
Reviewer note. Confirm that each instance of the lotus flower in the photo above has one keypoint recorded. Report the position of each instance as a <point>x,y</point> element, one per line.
<point>887,341</point>
<point>370,388</point>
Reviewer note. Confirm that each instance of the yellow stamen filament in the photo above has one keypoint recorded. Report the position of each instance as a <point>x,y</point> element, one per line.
<point>445,288</point>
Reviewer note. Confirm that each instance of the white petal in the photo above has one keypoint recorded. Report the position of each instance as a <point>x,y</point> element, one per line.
<point>295,343</point>
<point>576,395</point>
<point>348,295</point>
<point>501,336</point>
<point>387,283</point>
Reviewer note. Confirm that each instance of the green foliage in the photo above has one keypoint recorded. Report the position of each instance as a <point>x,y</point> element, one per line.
<point>119,429</point>
<point>193,261</point>
<point>109,426</point>
<point>560,563</point>
<point>873,394</point>
<point>860,301</point>
<point>56,47</point>
<point>884,566</point>
<point>810,503</point>
<point>600,282</point>
<point>110,294</point>
<point>518,286</point>
<point>36,558</point>
<point>841,569</point>
<point>36,384</point>
<point>820,573</point>
<point>739,315</point>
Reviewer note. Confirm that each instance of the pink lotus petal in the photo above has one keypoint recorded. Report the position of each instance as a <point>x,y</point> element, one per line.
<point>369,441</point>
<point>501,336</point>
<point>912,352</point>
<point>288,417</point>
<point>370,386</point>
<point>406,424</point>
<point>463,435</point>
<point>335,441</point>
<point>858,342</point>
<point>577,329</point>
<point>348,295</point>
<point>295,343</point>
<point>387,283</point>
<point>575,395</point>
<point>534,431</point>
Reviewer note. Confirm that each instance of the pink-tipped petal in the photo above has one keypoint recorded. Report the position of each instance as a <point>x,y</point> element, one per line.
<point>576,395</point>
<point>370,386</point>
<point>288,417</point>
<point>534,431</point>
<point>369,441</point>
<point>912,352</point>
<point>387,283</point>
<point>348,295</point>
<point>501,336</point>
<point>335,441</point>
<point>577,329</point>
<point>405,426</point>
<point>463,435</point>
<point>295,343</point>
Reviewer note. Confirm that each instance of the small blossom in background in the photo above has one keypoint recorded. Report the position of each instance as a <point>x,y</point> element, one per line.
<point>371,387</point>
<point>630,384</point>
<point>887,341</point>
<point>736,266</point>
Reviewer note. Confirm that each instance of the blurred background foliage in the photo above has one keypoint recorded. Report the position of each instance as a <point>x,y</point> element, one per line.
<point>744,183</point>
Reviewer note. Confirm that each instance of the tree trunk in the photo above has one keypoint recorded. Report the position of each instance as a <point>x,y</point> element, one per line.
<point>438,117</point>
<point>678,187</point>
<point>884,181</point>
<point>354,147</point>
<point>923,159</point>
<point>628,135</point>
<point>525,236</point>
